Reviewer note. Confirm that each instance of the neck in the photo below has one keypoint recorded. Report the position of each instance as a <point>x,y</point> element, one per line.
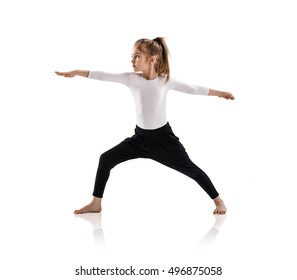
<point>150,75</point>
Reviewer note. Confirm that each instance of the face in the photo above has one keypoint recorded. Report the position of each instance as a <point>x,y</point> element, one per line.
<point>139,61</point>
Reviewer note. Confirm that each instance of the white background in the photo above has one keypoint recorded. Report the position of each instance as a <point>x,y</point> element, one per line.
<point>53,131</point>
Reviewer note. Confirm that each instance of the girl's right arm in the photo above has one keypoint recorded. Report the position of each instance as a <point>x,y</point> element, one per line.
<point>122,78</point>
<point>71,74</point>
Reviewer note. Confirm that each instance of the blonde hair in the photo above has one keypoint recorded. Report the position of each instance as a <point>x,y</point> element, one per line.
<point>158,48</point>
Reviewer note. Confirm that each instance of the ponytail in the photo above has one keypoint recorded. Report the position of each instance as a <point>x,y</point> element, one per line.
<point>162,66</point>
<point>157,47</point>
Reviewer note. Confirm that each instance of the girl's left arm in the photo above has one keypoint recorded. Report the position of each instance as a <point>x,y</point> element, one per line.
<point>196,89</point>
<point>223,94</point>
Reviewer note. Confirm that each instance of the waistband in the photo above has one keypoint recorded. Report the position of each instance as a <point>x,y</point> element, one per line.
<point>163,130</point>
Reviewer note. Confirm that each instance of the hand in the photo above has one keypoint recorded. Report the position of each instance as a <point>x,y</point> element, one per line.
<point>227,95</point>
<point>69,74</point>
<point>223,94</point>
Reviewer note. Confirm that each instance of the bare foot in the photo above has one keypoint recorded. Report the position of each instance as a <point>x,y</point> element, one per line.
<point>220,206</point>
<point>93,207</point>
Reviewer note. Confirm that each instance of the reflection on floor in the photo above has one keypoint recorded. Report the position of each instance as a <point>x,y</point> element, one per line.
<point>206,242</point>
<point>211,235</point>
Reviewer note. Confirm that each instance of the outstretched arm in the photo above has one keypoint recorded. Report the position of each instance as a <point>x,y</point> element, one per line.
<point>224,94</point>
<point>71,74</point>
<point>196,89</point>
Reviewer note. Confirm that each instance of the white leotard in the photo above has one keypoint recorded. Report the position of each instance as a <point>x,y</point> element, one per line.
<point>149,95</point>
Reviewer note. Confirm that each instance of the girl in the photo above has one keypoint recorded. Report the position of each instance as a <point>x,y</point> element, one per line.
<point>149,83</point>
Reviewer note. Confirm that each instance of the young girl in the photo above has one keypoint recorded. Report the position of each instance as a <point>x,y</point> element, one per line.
<point>153,138</point>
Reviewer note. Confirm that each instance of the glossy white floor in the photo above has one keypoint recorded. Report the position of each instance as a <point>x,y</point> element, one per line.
<point>53,131</point>
<point>163,221</point>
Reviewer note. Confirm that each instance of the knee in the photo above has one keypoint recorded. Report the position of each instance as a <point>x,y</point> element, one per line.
<point>106,160</point>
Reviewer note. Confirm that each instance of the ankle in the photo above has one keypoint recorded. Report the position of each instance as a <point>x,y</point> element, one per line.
<point>218,201</point>
<point>96,199</point>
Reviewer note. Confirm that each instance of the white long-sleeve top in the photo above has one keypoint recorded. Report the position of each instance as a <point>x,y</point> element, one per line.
<point>149,95</point>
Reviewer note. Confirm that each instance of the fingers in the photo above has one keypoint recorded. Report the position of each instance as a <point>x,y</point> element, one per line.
<point>65,74</point>
<point>229,95</point>
<point>60,73</point>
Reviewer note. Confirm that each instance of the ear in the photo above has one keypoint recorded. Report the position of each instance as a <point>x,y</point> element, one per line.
<point>153,59</point>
